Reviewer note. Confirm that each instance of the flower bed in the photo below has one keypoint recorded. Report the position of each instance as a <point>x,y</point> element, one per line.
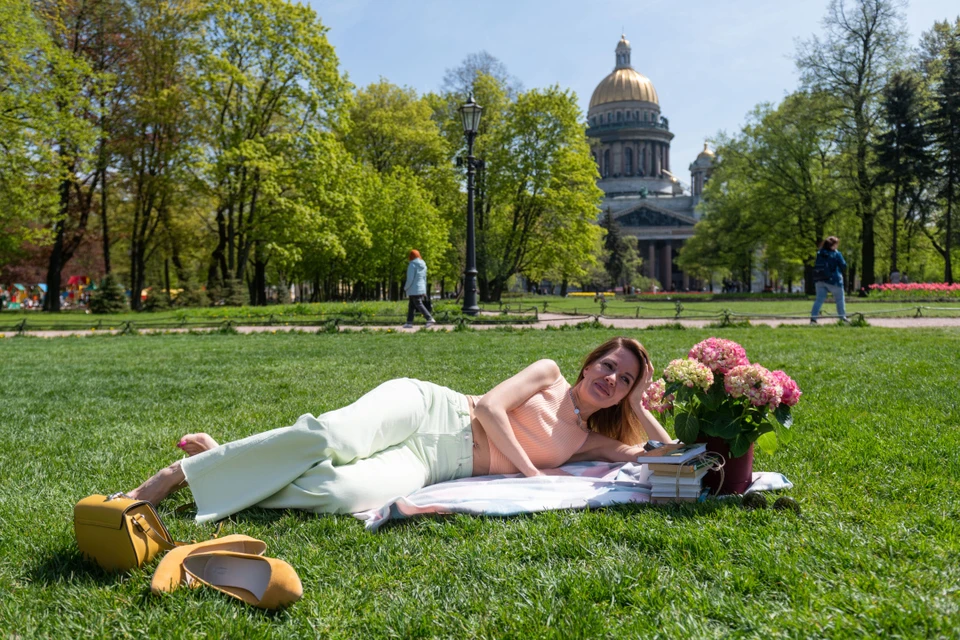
<point>916,291</point>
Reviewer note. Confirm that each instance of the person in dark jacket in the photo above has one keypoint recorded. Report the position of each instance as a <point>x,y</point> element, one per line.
<point>828,276</point>
<point>416,288</point>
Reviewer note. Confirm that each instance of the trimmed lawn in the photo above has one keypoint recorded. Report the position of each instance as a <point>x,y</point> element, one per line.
<point>875,465</point>
<point>448,312</point>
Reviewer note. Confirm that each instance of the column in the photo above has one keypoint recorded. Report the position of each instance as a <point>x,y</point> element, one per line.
<point>652,260</point>
<point>666,265</point>
<point>666,148</point>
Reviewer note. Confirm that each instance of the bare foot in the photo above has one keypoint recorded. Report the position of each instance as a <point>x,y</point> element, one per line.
<point>162,484</point>
<point>194,443</point>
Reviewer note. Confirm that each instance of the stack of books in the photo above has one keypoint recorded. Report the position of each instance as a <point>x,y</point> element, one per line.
<point>677,472</point>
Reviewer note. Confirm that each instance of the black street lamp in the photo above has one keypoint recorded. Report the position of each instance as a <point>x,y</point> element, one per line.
<point>470,113</point>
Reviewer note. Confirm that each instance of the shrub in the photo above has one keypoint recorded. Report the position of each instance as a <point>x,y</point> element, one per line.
<point>109,298</point>
<point>157,300</point>
<point>191,295</point>
<point>235,293</point>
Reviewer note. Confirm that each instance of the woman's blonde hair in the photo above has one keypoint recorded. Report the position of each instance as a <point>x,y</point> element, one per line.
<point>620,421</point>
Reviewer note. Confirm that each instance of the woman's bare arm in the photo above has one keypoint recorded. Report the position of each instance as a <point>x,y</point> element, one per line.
<point>605,449</point>
<point>492,410</point>
<point>651,426</point>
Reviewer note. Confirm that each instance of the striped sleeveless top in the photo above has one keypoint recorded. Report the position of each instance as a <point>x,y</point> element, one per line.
<point>546,427</point>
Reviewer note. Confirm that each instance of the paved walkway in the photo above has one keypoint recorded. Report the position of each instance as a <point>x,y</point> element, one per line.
<point>545,320</point>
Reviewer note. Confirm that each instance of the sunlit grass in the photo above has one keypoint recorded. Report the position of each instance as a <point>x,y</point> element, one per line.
<point>875,466</point>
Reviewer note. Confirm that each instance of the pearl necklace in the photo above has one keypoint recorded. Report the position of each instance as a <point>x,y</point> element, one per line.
<point>576,410</point>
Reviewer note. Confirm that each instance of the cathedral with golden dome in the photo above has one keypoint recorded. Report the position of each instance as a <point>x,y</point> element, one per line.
<point>630,142</point>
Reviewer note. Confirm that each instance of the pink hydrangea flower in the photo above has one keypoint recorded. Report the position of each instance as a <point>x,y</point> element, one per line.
<point>719,355</point>
<point>791,392</point>
<point>755,382</point>
<point>689,372</point>
<point>653,399</point>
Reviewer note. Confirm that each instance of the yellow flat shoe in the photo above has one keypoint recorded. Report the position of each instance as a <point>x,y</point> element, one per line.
<point>267,583</point>
<point>170,575</point>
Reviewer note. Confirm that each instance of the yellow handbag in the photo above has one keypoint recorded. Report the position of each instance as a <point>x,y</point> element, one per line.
<point>119,533</point>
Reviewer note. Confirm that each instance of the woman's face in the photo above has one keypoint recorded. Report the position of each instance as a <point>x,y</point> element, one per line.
<point>609,379</point>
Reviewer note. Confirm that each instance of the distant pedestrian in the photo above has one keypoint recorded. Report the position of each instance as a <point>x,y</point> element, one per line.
<point>828,277</point>
<point>416,288</point>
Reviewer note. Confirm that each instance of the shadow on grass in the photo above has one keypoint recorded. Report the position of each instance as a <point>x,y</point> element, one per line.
<point>67,565</point>
<point>674,510</point>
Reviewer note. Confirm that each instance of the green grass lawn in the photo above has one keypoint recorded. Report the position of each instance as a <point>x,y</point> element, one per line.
<point>875,465</point>
<point>757,308</point>
<point>448,312</point>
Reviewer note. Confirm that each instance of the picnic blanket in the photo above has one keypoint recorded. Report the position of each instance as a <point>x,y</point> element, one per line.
<point>590,484</point>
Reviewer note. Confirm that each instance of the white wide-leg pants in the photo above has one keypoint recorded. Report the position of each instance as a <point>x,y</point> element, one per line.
<point>400,437</point>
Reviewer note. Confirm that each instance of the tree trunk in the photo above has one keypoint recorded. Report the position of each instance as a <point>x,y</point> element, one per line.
<point>51,301</point>
<point>104,226</point>
<point>563,288</point>
<point>896,217</point>
<point>259,294</point>
<point>484,287</point>
<point>947,265</point>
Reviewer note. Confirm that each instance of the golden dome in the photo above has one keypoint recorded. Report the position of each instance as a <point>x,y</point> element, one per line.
<point>707,153</point>
<point>624,84</point>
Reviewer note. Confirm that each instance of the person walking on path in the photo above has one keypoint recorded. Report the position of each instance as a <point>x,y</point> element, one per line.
<point>828,276</point>
<point>416,288</point>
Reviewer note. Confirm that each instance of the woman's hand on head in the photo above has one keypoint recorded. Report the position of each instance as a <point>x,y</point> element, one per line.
<point>644,381</point>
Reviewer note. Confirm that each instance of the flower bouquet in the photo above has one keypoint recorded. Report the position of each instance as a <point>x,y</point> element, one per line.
<point>716,394</point>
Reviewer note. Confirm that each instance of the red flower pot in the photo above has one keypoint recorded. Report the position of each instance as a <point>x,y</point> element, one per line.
<point>737,472</point>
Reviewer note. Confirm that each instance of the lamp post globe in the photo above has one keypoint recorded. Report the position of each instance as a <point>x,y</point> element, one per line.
<point>470,115</point>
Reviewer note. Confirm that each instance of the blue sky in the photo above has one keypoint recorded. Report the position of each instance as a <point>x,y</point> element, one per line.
<point>711,61</point>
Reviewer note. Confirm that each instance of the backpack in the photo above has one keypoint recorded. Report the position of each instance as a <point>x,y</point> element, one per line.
<point>822,267</point>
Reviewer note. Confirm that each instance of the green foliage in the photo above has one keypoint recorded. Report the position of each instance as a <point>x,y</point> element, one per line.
<point>268,65</point>
<point>541,196</point>
<point>191,295</point>
<point>861,48</point>
<point>157,300</point>
<point>777,189</point>
<point>43,125</point>
<point>109,297</point>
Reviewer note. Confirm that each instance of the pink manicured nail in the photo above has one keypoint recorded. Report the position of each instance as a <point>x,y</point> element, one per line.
<point>182,443</point>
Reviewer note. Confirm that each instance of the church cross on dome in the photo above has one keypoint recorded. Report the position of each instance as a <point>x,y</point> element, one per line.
<point>623,53</point>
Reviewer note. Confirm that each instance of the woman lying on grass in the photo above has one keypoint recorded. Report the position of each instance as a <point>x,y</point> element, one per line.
<point>407,434</point>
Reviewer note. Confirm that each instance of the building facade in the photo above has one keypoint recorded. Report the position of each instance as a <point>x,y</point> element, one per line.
<point>630,141</point>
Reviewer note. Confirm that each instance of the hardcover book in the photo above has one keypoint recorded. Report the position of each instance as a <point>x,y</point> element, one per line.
<point>676,453</point>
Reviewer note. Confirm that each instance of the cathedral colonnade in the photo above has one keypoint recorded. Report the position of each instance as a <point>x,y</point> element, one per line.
<point>658,263</point>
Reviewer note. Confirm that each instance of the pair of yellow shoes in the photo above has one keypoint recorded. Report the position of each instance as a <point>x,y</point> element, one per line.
<point>232,564</point>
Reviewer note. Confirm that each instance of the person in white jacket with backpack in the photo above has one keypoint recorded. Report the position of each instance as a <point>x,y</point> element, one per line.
<point>416,288</point>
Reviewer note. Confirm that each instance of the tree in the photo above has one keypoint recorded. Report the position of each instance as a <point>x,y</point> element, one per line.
<point>402,218</point>
<point>777,187</point>
<point>863,44</point>
<point>614,247</point>
<point>461,80</point>
<point>29,124</point>
<point>322,233</point>
<point>392,128</point>
<point>541,179</point>
<point>71,25</point>
<point>902,152</point>
<point>621,258</point>
<point>945,127</point>
<point>266,72</point>
<point>156,136</point>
